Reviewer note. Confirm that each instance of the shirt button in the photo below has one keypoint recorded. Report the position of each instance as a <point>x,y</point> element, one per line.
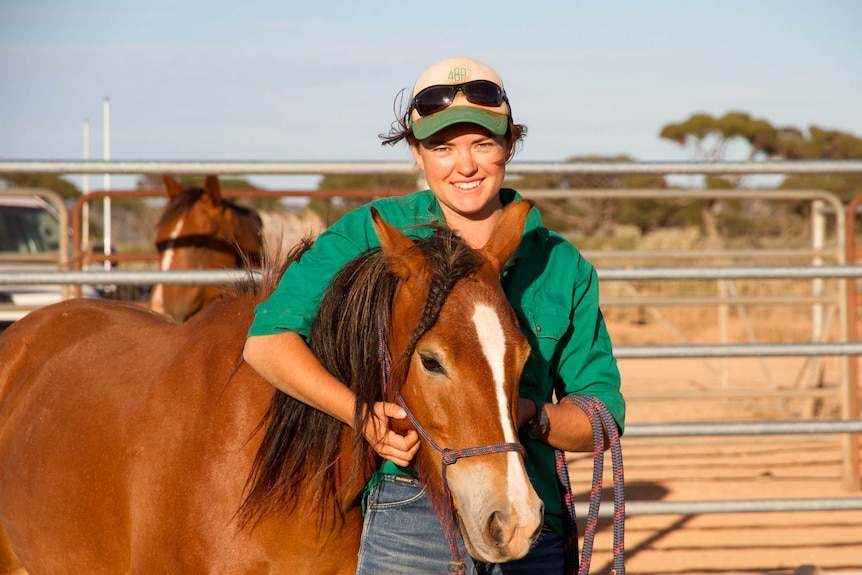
<point>538,328</point>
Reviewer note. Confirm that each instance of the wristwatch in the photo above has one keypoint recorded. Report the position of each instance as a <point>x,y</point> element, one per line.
<point>538,425</point>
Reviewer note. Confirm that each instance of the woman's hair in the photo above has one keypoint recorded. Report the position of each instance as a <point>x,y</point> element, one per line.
<point>400,128</point>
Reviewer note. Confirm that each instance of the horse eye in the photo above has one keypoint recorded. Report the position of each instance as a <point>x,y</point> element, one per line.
<point>431,364</point>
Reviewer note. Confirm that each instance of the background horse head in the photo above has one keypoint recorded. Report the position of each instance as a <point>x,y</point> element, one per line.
<point>199,229</point>
<point>131,443</point>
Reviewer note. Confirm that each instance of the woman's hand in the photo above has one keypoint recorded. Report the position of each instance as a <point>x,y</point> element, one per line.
<point>526,410</point>
<point>397,448</point>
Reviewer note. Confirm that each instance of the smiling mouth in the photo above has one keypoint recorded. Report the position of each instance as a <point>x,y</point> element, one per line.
<point>467,186</point>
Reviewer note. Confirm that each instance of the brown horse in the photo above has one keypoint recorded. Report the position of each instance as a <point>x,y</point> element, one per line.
<point>199,229</point>
<point>133,444</point>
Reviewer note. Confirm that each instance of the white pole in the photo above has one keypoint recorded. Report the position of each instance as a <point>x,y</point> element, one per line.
<point>818,235</point>
<point>106,112</point>
<point>85,189</point>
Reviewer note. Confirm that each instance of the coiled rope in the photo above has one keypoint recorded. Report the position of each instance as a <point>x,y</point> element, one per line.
<point>602,422</point>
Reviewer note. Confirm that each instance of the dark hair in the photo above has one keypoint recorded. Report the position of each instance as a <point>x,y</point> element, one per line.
<point>400,128</point>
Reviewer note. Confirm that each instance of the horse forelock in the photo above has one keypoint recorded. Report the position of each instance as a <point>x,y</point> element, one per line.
<point>181,203</point>
<point>178,205</point>
<point>449,259</point>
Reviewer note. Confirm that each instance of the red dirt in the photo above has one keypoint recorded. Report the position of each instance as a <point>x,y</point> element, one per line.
<point>774,467</point>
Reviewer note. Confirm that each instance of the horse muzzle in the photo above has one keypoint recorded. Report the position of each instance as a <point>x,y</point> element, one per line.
<point>499,519</point>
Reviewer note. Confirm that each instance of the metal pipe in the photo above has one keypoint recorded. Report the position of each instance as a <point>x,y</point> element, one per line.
<point>723,428</point>
<point>738,350</point>
<point>605,274</point>
<point>851,409</point>
<point>106,201</point>
<point>729,506</point>
<point>133,277</point>
<point>401,167</point>
<point>729,272</point>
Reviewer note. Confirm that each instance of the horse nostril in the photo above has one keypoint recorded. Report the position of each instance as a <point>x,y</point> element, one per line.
<point>495,529</point>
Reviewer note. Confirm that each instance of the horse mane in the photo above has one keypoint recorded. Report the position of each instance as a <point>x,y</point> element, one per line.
<point>302,446</point>
<point>273,264</point>
<point>179,204</point>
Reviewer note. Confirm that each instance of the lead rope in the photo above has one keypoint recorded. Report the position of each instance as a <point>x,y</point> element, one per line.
<point>602,421</point>
<point>450,456</point>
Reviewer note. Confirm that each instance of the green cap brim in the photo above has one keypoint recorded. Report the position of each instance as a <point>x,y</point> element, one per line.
<point>430,125</point>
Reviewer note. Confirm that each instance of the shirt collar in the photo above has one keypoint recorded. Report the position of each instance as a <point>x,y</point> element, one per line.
<point>534,232</point>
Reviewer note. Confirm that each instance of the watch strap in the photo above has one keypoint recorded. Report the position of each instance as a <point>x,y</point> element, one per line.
<point>538,425</point>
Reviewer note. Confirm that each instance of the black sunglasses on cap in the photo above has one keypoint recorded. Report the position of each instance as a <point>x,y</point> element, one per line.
<point>480,92</point>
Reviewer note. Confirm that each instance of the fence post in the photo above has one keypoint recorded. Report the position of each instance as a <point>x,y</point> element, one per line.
<point>852,300</point>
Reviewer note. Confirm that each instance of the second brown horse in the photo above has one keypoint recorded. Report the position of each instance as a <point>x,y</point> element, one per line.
<point>199,229</point>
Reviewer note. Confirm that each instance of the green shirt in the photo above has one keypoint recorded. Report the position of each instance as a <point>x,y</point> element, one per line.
<point>551,287</point>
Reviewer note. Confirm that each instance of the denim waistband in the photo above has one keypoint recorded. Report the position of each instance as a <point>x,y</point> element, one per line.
<point>402,479</point>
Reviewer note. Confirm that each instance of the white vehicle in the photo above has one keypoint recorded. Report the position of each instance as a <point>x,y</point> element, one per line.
<point>33,238</point>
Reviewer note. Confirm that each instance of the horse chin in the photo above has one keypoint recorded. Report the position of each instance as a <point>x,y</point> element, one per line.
<point>487,546</point>
<point>496,529</point>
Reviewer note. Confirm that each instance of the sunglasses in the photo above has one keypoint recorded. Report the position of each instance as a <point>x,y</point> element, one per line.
<point>480,92</point>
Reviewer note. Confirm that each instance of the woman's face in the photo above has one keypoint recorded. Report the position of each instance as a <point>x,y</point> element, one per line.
<point>464,165</point>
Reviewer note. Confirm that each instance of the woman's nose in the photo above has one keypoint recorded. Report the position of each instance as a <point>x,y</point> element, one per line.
<point>466,164</point>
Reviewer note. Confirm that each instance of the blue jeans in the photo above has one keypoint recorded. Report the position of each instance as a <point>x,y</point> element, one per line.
<point>402,535</point>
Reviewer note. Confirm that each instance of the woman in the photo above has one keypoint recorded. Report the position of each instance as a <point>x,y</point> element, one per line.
<point>460,131</point>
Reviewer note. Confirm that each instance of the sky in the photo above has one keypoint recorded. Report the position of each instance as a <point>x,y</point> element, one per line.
<point>303,80</point>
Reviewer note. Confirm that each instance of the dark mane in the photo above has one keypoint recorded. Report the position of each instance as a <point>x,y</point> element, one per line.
<point>273,265</point>
<point>303,446</point>
<point>181,203</point>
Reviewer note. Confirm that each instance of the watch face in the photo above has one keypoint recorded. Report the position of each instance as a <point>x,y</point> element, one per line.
<point>537,429</point>
<point>539,423</point>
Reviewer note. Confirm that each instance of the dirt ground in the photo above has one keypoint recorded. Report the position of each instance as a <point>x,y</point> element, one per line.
<point>773,467</point>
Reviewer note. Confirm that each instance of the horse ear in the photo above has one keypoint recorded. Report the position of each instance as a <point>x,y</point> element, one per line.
<point>396,246</point>
<point>212,186</point>
<point>173,188</point>
<point>506,235</point>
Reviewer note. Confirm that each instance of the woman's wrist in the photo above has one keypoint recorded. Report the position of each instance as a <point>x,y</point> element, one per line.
<point>538,424</point>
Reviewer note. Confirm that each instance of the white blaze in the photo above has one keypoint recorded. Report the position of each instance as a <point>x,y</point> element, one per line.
<point>157,299</point>
<point>493,342</point>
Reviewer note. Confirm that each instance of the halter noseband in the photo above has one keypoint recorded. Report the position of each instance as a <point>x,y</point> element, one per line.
<point>450,456</point>
<point>207,241</point>
<point>200,241</point>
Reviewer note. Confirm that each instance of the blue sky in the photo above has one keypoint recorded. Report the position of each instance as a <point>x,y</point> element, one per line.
<point>300,80</point>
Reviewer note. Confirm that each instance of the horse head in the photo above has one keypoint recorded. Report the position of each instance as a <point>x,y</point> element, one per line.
<point>199,229</point>
<point>458,373</point>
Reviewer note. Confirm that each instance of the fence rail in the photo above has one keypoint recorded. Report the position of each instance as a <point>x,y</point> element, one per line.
<point>706,429</point>
<point>143,277</point>
<point>729,506</point>
<point>340,168</point>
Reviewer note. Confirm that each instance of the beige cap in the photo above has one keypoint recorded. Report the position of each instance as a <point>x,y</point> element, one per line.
<point>458,71</point>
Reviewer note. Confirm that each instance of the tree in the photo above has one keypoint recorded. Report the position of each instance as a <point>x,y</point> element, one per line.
<point>331,211</point>
<point>829,145</point>
<point>592,216</point>
<point>65,188</point>
<point>368,182</point>
<point>709,137</point>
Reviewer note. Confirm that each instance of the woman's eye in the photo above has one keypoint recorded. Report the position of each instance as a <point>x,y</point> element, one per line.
<point>431,364</point>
